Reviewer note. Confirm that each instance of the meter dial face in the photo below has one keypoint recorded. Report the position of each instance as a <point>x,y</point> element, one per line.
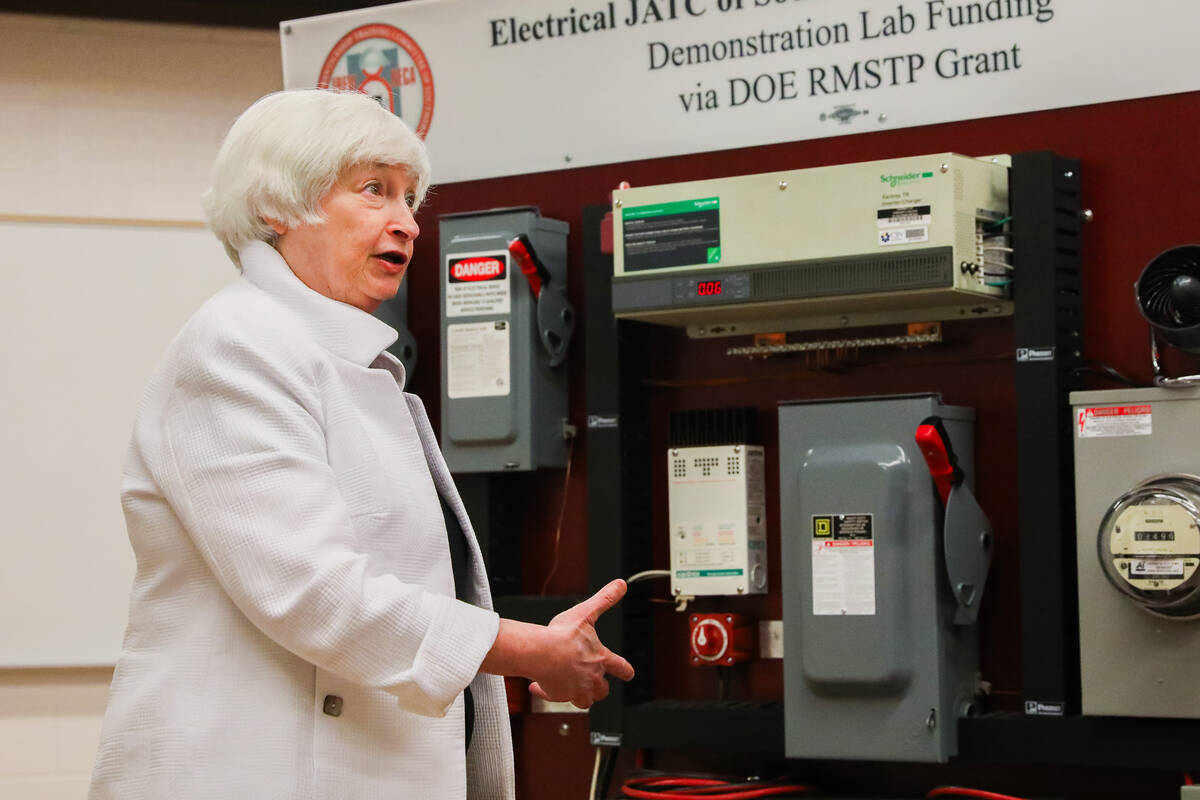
<point>1150,546</point>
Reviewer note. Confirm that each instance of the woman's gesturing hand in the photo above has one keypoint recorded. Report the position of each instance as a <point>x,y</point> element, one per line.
<point>582,661</point>
<point>565,660</point>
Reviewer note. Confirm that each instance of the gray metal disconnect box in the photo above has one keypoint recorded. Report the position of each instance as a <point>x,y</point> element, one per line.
<point>874,667</point>
<point>503,405</point>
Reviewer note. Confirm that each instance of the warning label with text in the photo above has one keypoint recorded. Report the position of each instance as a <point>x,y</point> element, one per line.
<point>843,564</point>
<point>1113,421</point>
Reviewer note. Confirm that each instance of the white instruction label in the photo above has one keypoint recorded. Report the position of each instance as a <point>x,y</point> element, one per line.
<point>706,549</point>
<point>1113,421</point>
<point>843,565</point>
<point>477,359</point>
<point>477,283</point>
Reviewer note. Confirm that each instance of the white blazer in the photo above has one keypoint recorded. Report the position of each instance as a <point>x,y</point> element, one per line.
<point>293,631</point>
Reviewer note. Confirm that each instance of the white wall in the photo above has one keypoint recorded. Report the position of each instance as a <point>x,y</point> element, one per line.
<point>102,125</point>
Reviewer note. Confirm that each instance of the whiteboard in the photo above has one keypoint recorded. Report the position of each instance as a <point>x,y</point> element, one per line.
<point>86,311</point>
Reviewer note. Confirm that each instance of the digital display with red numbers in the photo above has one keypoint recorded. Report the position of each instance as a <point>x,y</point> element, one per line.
<point>708,288</point>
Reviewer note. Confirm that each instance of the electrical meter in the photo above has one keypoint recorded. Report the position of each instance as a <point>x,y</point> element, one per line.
<point>1150,545</point>
<point>1137,506</point>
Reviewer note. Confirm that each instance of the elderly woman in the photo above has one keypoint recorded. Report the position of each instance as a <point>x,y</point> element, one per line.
<point>299,627</point>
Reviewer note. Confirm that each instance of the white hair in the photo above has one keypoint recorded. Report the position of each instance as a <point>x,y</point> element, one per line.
<point>284,153</point>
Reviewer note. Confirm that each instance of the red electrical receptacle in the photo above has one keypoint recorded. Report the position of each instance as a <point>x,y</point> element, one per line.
<point>719,640</point>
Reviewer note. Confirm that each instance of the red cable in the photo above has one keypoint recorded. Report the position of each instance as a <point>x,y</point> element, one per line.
<point>714,792</point>
<point>959,791</point>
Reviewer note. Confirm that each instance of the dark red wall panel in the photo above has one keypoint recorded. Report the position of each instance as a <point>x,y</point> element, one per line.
<point>1140,176</point>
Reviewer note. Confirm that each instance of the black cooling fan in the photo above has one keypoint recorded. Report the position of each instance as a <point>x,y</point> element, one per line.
<point>1168,295</point>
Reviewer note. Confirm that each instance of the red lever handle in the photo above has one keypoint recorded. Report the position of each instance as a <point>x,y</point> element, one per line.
<point>934,443</point>
<point>531,266</point>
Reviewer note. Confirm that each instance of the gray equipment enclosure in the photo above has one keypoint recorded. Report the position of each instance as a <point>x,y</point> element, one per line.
<point>503,406</point>
<point>875,666</point>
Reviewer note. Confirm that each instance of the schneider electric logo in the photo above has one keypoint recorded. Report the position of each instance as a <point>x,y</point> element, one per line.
<point>905,177</point>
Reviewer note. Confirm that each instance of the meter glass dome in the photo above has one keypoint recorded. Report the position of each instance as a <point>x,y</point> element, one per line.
<point>1149,545</point>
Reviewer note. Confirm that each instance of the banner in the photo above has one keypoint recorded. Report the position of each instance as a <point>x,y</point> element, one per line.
<point>504,87</point>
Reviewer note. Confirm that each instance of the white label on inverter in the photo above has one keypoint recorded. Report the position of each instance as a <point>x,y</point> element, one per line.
<point>904,216</point>
<point>1113,421</point>
<point>477,359</point>
<point>903,236</point>
<point>843,565</point>
<point>477,283</point>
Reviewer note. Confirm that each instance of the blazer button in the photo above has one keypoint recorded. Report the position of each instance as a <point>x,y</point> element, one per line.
<point>333,705</point>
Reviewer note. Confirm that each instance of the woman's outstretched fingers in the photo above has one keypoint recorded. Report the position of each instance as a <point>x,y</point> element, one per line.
<point>618,667</point>
<point>602,601</point>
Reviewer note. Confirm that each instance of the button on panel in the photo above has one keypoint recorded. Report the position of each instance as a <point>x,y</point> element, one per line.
<point>333,705</point>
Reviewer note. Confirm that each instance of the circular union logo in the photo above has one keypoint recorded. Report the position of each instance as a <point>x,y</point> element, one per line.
<point>385,63</point>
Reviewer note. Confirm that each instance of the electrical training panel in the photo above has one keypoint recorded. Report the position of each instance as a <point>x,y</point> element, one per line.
<point>876,663</point>
<point>900,240</point>
<point>504,403</point>
<point>1137,495</point>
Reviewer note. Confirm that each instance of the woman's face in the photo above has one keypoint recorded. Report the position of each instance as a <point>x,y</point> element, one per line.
<point>358,255</point>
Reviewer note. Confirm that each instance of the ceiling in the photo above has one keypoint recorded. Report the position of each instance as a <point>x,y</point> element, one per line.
<point>243,14</point>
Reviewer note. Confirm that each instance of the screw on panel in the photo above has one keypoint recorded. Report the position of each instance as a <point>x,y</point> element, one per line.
<point>883,117</point>
<point>567,159</point>
<point>287,30</point>
<point>1087,215</point>
<point>931,720</point>
<point>564,729</point>
<point>1069,174</point>
<point>945,168</point>
<point>617,202</point>
<point>741,590</point>
<point>676,590</point>
<point>782,185</point>
<point>729,620</point>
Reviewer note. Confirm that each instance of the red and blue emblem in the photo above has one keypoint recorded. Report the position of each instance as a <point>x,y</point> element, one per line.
<point>387,64</point>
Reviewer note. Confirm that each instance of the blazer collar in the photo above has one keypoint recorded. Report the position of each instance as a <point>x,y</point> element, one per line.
<point>341,328</point>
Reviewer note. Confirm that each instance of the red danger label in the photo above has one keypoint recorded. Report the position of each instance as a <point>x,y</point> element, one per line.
<point>1115,421</point>
<point>478,268</point>
<point>1117,411</point>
